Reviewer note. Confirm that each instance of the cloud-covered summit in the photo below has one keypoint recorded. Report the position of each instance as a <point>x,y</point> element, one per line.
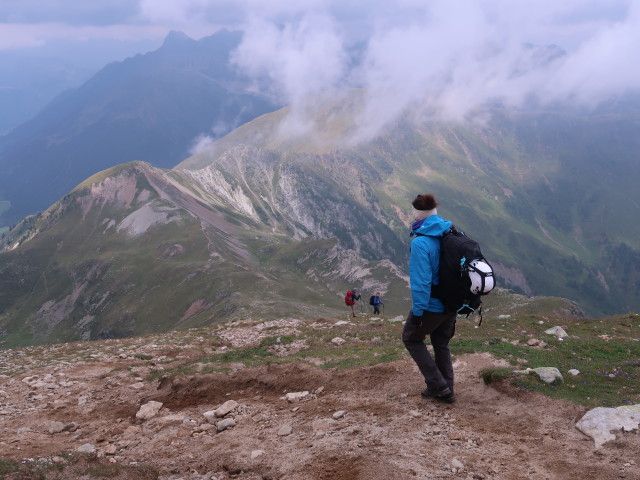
<point>442,58</point>
<point>446,59</point>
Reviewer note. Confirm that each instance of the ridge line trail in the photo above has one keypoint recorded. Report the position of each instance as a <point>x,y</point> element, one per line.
<point>388,430</point>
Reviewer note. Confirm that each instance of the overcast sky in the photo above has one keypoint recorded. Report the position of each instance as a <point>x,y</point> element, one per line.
<point>448,56</point>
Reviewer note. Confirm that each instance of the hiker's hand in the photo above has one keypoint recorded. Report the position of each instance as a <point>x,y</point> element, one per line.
<point>414,319</point>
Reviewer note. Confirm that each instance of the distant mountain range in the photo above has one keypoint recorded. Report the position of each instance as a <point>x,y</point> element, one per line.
<point>265,221</point>
<point>149,107</point>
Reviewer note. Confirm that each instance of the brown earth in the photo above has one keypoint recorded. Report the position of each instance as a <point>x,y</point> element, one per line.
<point>388,430</point>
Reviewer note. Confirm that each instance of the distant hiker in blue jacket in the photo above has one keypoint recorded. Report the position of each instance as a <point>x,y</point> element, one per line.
<point>376,301</point>
<point>427,316</point>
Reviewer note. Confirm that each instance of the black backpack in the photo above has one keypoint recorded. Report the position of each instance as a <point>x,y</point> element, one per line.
<point>465,275</point>
<point>371,300</point>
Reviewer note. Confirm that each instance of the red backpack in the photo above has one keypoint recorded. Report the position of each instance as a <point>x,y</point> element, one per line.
<point>348,298</point>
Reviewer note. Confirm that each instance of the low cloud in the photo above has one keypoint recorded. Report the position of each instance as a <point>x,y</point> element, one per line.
<point>441,59</point>
<point>200,143</point>
<point>446,59</point>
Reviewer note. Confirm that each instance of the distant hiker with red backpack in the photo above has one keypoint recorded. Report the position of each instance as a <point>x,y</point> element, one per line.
<point>350,299</point>
<point>427,315</point>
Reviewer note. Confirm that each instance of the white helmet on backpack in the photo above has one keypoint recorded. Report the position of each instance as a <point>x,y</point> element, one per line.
<point>481,275</point>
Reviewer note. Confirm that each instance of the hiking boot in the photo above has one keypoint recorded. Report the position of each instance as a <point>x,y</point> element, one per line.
<point>445,394</point>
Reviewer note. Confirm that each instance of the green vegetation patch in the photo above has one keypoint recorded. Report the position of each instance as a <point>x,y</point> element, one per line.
<point>606,352</point>
<point>66,466</point>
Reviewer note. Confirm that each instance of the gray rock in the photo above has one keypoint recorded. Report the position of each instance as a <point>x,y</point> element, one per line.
<point>86,448</point>
<point>557,331</point>
<point>285,430</point>
<point>295,396</point>
<point>256,453</point>
<point>210,416</point>
<point>70,427</point>
<point>549,374</point>
<point>600,422</point>
<point>226,408</point>
<point>222,425</point>
<point>338,341</point>
<point>339,414</point>
<point>56,427</point>
<point>110,449</point>
<point>456,465</point>
<point>149,410</point>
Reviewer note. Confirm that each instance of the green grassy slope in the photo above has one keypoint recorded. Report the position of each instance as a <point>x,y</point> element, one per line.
<point>79,274</point>
<point>549,195</point>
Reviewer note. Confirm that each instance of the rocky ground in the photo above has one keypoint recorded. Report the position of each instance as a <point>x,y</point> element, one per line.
<point>110,410</point>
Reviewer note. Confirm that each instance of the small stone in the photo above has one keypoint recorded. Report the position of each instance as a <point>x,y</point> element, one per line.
<point>256,453</point>
<point>532,342</point>
<point>70,427</point>
<point>457,465</point>
<point>414,413</point>
<point>574,372</point>
<point>226,408</point>
<point>222,425</point>
<point>137,385</point>
<point>86,448</point>
<point>549,374</point>
<point>338,415</point>
<point>338,341</point>
<point>148,410</point>
<point>295,396</point>
<point>285,430</point>
<point>56,427</point>
<point>110,449</point>
<point>557,331</point>
<point>210,416</point>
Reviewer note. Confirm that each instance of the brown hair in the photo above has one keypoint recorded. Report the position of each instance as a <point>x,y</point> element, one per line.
<point>425,202</point>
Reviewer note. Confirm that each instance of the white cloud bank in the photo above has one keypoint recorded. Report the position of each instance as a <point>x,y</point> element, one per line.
<point>446,58</point>
<point>443,58</point>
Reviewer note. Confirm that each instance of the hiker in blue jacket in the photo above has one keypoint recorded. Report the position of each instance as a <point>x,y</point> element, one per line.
<point>427,315</point>
<point>376,301</point>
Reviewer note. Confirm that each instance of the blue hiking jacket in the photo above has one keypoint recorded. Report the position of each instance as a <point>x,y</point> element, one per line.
<point>424,263</point>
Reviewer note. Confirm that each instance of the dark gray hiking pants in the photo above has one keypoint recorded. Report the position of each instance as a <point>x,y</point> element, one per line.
<point>440,327</point>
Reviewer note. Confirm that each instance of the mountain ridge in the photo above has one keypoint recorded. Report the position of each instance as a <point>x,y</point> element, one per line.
<point>156,105</point>
<point>256,224</point>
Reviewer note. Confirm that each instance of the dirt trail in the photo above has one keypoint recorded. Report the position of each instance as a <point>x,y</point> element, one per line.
<point>387,431</point>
